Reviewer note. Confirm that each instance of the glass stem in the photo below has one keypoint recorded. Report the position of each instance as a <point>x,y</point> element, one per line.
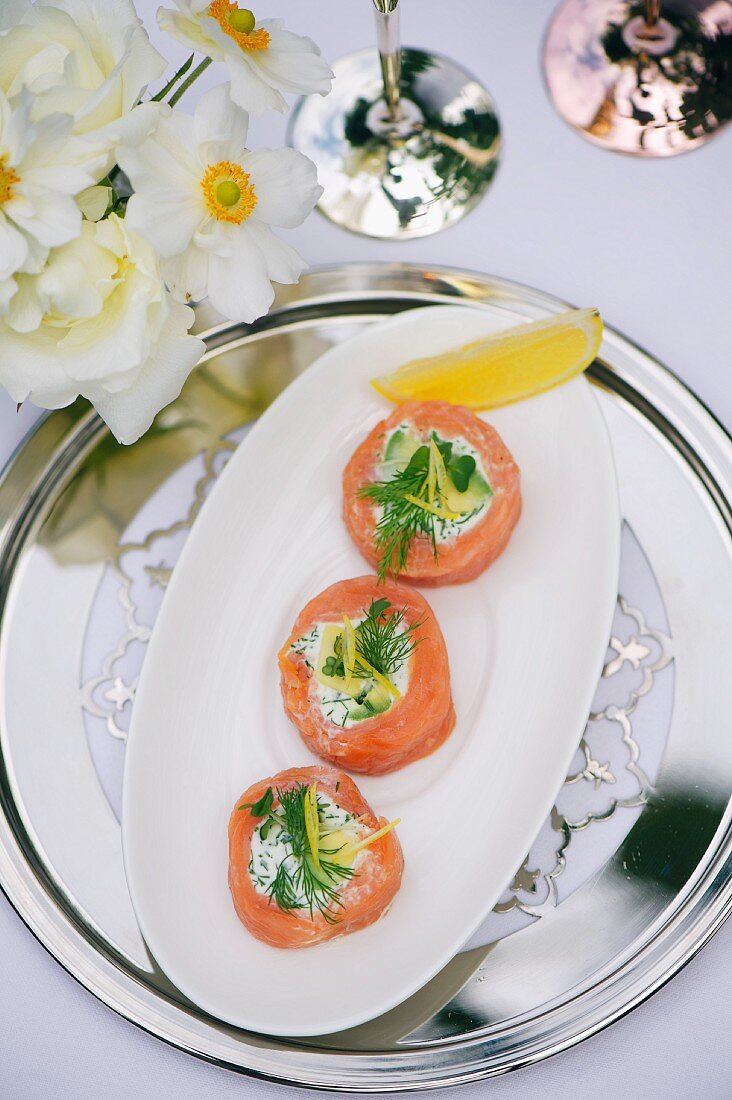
<point>390,54</point>
<point>652,12</point>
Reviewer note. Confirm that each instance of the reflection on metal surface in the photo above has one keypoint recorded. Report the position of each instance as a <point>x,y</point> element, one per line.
<point>662,887</point>
<point>643,78</point>
<point>608,769</point>
<point>106,694</point>
<point>404,171</point>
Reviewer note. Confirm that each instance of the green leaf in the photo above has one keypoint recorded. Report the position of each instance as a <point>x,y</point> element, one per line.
<point>419,461</point>
<point>461,471</point>
<point>261,808</point>
<point>378,607</point>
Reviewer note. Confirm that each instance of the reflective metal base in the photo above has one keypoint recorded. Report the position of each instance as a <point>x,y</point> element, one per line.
<point>632,872</point>
<point>651,91</point>
<point>407,176</point>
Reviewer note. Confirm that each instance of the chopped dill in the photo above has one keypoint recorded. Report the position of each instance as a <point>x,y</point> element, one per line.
<point>300,645</point>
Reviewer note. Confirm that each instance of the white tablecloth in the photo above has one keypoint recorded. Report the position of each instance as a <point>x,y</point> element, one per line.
<point>649,243</point>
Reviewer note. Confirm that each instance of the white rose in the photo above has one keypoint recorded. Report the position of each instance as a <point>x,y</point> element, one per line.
<point>98,322</point>
<point>39,176</point>
<point>88,58</point>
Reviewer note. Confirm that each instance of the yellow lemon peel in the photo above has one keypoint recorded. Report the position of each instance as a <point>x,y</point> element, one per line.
<point>380,678</point>
<point>312,822</point>
<point>437,472</point>
<point>349,651</point>
<point>435,509</point>
<point>352,658</point>
<point>350,851</point>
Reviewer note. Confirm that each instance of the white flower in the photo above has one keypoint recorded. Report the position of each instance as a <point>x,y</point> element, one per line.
<point>98,321</point>
<point>263,60</point>
<point>206,203</point>
<point>39,175</point>
<point>89,58</point>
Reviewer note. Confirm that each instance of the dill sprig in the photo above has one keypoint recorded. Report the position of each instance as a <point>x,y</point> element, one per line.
<point>299,883</point>
<point>383,640</point>
<point>401,520</point>
<point>412,499</point>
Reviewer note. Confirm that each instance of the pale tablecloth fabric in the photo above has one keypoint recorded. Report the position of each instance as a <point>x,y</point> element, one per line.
<point>651,244</point>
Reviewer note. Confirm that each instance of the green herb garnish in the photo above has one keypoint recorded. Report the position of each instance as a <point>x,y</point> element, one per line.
<point>381,644</point>
<point>461,470</point>
<point>334,666</point>
<point>401,521</point>
<point>299,884</point>
<point>406,499</point>
<point>381,639</point>
<point>262,807</point>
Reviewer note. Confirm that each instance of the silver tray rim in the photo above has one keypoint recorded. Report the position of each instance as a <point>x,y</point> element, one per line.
<point>704,908</point>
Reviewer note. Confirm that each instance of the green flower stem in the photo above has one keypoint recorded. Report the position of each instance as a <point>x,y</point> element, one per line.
<point>173,80</point>
<point>188,81</point>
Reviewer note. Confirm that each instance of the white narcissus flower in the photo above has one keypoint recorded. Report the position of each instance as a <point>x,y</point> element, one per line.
<point>206,204</point>
<point>89,58</point>
<point>263,60</point>
<point>39,175</point>
<point>98,322</point>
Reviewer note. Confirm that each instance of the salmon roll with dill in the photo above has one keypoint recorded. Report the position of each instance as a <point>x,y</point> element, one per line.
<point>365,676</point>
<point>309,859</point>
<point>432,494</point>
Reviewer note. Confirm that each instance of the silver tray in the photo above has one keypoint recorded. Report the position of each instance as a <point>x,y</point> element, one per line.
<point>629,877</point>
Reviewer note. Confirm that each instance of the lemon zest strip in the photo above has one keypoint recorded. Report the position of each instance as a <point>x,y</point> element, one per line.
<point>380,678</point>
<point>350,851</point>
<point>437,469</point>
<point>349,652</point>
<point>312,822</point>
<point>351,657</point>
<point>435,509</point>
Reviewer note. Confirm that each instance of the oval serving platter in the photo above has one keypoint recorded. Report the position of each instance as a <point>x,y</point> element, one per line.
<point>208,718</point>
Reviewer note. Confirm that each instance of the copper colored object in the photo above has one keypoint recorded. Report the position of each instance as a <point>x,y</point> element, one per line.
<point>652,79</point>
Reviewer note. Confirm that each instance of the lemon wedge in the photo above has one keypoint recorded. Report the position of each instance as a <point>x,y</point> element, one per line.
<point>497,370</point>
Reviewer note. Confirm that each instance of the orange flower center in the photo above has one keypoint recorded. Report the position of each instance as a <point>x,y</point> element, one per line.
<point>228,193</point>
<point>238,23</point>
<point>8,179</point>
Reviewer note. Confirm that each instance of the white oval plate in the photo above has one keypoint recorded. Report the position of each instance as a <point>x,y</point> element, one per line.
<point>526,643</point>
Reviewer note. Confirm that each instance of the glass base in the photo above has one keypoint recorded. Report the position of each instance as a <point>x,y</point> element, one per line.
<point>652,91</point>
<point>408,175</point>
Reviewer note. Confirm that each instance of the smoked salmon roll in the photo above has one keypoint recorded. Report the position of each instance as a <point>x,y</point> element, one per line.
<point>432,494</point>
<point>365,676</point>
<point>308,858</point>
